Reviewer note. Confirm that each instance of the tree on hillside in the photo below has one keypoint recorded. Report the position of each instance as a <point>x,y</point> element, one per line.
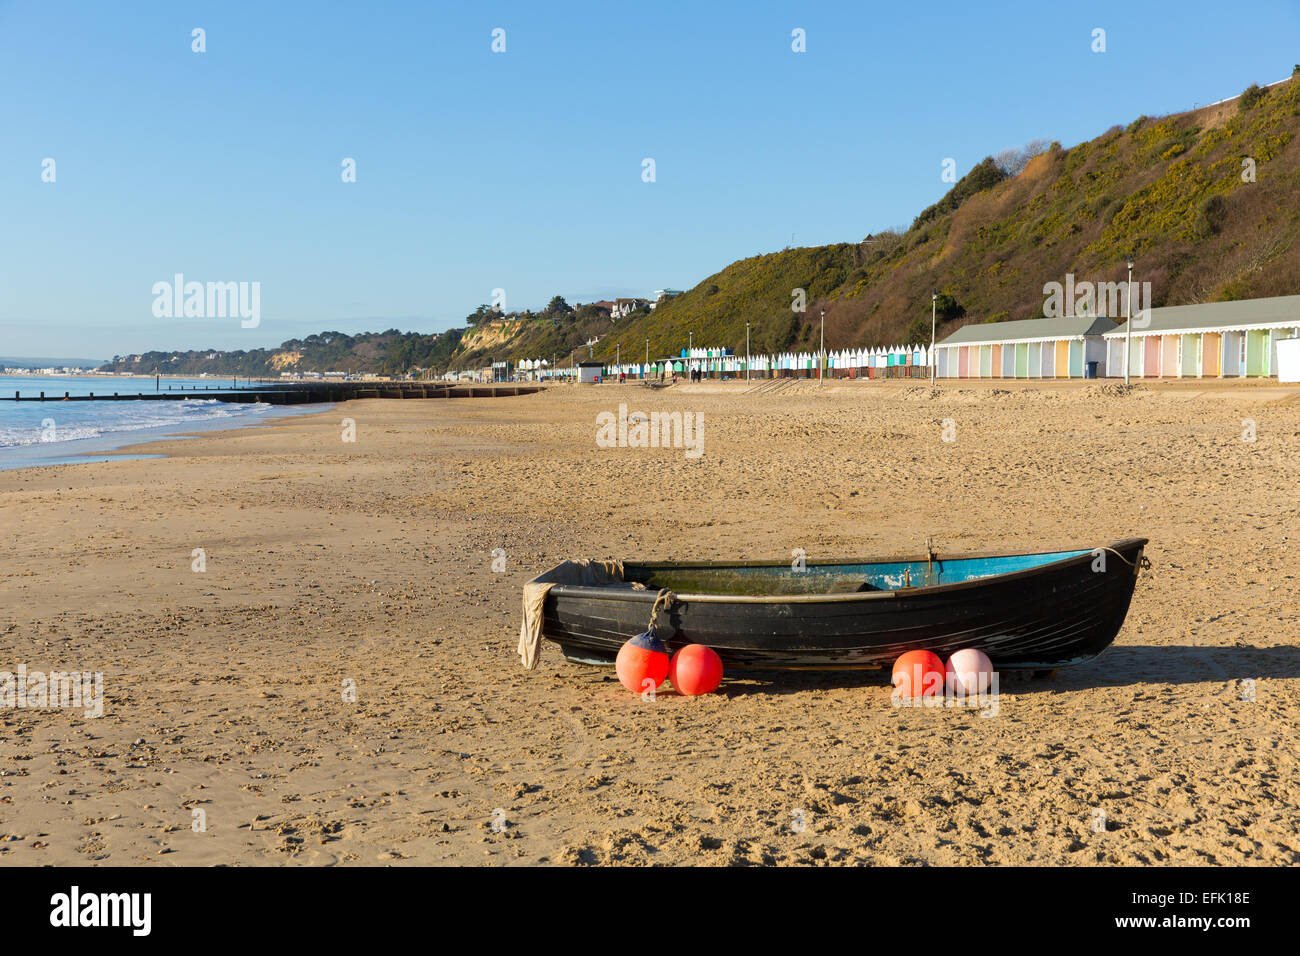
<point>1249,97</point>
<point>482,313</point>
<point>946,308</point>
<point>1013,161</point>
<point>589,313</point>
<point>985,175</point>
<point>557,306</point>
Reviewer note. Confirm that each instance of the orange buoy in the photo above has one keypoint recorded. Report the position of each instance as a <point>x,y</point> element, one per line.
<point>971,670</point>
<point>695,669</point>
<point>642,663</point>
<point>918,674</point>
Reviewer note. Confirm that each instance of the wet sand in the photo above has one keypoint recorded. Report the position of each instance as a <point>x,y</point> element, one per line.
<point>370,562</point>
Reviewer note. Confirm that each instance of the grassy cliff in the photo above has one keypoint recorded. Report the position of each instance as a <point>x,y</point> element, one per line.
<point>1208,202</point>
<point>382,353</point>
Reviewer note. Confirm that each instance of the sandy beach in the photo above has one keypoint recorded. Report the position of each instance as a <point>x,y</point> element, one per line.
<point>333,564</point>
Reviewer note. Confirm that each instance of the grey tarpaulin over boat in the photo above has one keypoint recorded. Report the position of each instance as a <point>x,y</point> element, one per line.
<point>581,572</point>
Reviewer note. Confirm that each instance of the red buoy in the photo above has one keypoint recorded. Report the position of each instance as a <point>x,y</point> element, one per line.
<point>642,663</point>
<point>918,674</point>
<point>695,669</point>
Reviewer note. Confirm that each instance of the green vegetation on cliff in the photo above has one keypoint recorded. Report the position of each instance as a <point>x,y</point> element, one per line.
<point>1208,202</point>
<point>382,353</point>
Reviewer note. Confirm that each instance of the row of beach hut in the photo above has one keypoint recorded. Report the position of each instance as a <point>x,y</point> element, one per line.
<point>715,363</point>
<point>1213,340</point>
<point>1070,347</point>
<point>1217,340</point>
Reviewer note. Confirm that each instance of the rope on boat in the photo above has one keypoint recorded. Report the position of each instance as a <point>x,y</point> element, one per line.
<point>663,601</point>
<point>1143,562</point>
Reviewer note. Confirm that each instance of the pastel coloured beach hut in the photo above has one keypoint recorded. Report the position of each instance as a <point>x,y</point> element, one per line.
<point>1024,348</point>
<point>1288,360</point>
<point>1211,340</point>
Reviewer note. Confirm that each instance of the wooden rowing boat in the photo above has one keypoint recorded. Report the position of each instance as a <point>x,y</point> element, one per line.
<point>1031,611</point>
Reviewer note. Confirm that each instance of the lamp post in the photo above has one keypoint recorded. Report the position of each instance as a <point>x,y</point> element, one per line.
<point>645,371</point>
<point>690,348</point>
<point>934,311</point>
<point>746,351</point>
<point>821,354</point>
<point>1128,323</point>
<point>618,357</point>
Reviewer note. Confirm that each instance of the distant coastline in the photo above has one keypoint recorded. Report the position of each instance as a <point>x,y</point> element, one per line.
<point>35,362</point>
<point>13,372</point>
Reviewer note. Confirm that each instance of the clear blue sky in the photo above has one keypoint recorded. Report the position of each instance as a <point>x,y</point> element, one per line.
<point>522,170</point>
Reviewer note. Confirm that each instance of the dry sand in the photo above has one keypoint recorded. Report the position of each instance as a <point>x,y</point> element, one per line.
<point>372,562</point>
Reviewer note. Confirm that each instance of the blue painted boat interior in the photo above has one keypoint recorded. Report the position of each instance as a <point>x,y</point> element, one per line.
<point>824,578</point>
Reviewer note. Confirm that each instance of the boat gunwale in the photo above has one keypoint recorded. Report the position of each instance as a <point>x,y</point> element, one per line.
<point>648,595</point>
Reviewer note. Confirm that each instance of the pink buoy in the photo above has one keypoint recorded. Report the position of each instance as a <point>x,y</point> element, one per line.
<point>969,672</point>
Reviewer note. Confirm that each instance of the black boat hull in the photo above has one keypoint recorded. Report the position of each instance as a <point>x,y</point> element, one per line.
<point>1047,617</point>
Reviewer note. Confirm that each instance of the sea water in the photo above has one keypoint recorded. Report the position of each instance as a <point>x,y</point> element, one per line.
<point>57,432</point>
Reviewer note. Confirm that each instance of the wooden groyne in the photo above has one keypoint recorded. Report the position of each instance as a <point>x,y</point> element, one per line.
<point>292,393</point>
